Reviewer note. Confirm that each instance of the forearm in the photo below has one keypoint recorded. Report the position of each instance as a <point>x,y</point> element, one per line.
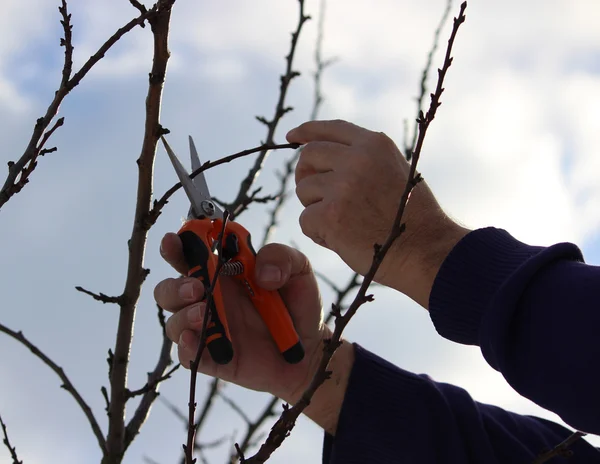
<point>534,313</point>
<point>392,415</point>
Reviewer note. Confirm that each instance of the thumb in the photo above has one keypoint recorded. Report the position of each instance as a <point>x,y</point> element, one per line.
<point>276,264</point>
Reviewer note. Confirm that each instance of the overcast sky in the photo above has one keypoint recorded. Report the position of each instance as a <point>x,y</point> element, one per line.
<point>516,144</point>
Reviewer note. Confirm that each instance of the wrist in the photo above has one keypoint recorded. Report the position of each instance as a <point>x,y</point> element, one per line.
<point>416,260</point>
<point>326,404</point>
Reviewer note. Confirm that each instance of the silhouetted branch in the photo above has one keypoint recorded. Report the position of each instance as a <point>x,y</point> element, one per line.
<point>100,296</point>
<point>120,436</point>
<point>159,204</point>
<point>11,449</point>
<point>560,450</point>
<point>290,165</point>
<point>423,84</point>
<point>288,418</point>
<point>280,111</point>
<point>66,383</point>
<point>19,171</point>
<point>188,448</point>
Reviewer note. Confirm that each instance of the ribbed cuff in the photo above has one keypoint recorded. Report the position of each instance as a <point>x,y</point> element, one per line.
<point>469,278</point>
<point>473,274</point>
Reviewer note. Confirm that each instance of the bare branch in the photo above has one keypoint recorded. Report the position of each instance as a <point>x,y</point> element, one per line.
<point>188,449</point>
<point>237,408</point>
<point>253,427</point>
<point>280,110</point>
<point>284,178</point>
<point>152,382</point>
<point>100,296</point>
<point>12,450</point>
<point>159,204</point>
<point>19,171</point>
<point>150,390</point>
<point>288,418</point>
<point>408,149</point>
<point>142,9</point>
<point>66,383</point>
<point>119,436</point>
<point>560,450</point>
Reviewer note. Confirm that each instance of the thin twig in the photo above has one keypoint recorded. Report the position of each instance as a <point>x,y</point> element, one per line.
<point>19,171</point>
<point>286,175</point>
<point>253,427</point>
<point>66,383</point>
<point>280,111</point>
<point>288,418</point>
<point>236,407</point>
<point>188,448</point>
<point>160,203</point>
<point>560,450</point>
<point>12,450</point>
<point>120,436</point>
<point>284,179</point>
<point>408,149</point>
<point>100,296</point>
<point>152,382</point>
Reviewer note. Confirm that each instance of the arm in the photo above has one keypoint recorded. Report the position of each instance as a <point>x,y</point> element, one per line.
<point>391,415</point>
<point>535,313</point>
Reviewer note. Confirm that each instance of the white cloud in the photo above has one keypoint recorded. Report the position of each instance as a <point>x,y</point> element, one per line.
<point>515,144</point>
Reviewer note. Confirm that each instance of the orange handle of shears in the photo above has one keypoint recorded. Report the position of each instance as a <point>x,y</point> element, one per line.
<point>268,303</point>
<point>202,263</point>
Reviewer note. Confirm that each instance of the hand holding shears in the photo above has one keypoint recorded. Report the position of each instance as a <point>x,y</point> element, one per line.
<point>198,236</point>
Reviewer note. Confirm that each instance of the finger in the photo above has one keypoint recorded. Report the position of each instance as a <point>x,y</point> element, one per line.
<point>187,347</point>
<point>174,294</point>
<point>320,157</point>
<point>172,252</point>
<point>311,221</point>
<point>190,318</point>
<point>330,131</point>
<point>276,264</point>
<point>313,188</point>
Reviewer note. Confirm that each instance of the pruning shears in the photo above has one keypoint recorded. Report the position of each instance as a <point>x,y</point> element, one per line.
<point>199,236</point>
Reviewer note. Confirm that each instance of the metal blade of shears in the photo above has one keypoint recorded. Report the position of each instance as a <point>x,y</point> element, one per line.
<point>200,200</point>
<point>200,180</point>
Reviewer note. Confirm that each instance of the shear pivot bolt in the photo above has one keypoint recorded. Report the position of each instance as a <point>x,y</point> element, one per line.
<point>208,207</point>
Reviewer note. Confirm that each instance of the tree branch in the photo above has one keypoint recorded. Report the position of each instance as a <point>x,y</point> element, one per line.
<point>188,449</point>
<point>100,296</point>
<point>280,111</point>
<point>119,437</point>
<point>560,450</point>
<point>160,204</point>
<point>66,383</point>
<point>11,449</point>
<point>19,171</point>
<point>288,418</point>
<point>423,84</point>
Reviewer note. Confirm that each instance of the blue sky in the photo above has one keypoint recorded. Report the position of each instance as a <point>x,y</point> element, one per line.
<point>516,144</point>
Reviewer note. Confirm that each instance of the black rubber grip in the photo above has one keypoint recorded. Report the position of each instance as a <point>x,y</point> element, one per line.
<point>295,354</point>
<point>196,255</point>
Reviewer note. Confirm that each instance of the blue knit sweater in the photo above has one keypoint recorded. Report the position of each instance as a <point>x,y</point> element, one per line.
<point>535,313</point>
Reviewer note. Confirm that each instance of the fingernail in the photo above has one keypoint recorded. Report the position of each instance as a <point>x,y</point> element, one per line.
<point>187,291</point>
<point>269,273</point>
<point>181,342</point>
<point>195,313</point>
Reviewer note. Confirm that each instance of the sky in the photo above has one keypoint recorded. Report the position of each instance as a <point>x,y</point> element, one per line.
<point>515,144</point>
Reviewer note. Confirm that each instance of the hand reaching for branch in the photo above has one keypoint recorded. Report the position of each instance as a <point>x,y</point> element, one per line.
<point>257,364</point>
<point>350,181</point>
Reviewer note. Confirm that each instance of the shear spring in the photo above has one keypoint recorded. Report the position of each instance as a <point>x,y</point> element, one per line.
<point>232,268</point>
